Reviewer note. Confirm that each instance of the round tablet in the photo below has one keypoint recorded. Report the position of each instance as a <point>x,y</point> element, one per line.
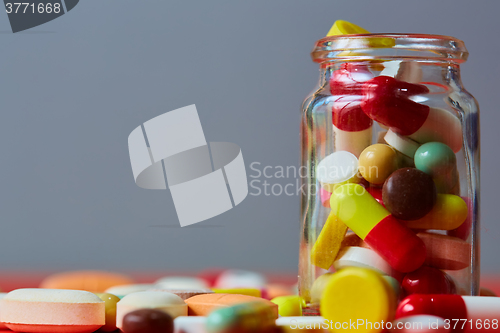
<point>123,290</point>
<point>202,305</point>
<point>147,320</point>
<point>337,168</point>
<point>354,256</point>
<point>358,293</point>
<point>377,162</point>
<point>403,144</point>
<point>446,252</point>
<point>159,300</point>
<point>435,159</point>
<point>52,310</point>
<point>409,193</point>
<point>181,282</point>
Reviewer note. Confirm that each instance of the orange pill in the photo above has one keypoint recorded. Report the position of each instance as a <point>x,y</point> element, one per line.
<point>202,305</point>
<point>93,281</point>
<point>446,252</point>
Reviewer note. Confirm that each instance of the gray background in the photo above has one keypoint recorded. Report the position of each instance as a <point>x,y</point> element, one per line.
<point>74,88</point>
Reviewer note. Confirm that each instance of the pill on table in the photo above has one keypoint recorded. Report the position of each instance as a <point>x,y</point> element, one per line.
<point>446,252</point>
<point>190,324</point>
<point>438,160</point>
<point>408,71</point>
<point>147,320</point>
<point>184,293</point>
<point>159,300</point>
<point>242,318</point>
<point>428,280</point>
<point>352,129</point>
<point>394,242</point>
<point>110,301</point>
<point>377,162</point>
<point>309,324</point>
<point>449,212</point>
<point>93,281</point>
<point>337,169</point>
<point>403,144</point>
<point>471,309</point>
<point>202,305</point>
<point>52,310</point>
<point>239,291</point>
<point>354,294</point>
<point>318,287</point>
<point>236,278</point>
<point>327,245</point>
<point>181,282</point>
<point>289,306</point>
<point>409,194</point>
<point>354,256</point>
<point>123,290</point>
<point>420,324</point>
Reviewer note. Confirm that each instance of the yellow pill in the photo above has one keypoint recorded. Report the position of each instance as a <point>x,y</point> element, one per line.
<point>377,162</point>
<point>341,27</point>
<point>327,245</point>
<point>354,206</point>
<point>239,291</point>
<point>289,306</point>
<point>360,296</point>
<point>448,213</point>
<point>110,301</point>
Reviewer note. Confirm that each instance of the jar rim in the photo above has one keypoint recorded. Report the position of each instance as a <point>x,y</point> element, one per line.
<point>390,46</point>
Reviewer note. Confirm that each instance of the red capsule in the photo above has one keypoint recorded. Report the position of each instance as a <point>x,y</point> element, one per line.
<point>428,280</point>
<point>347,114</point>
<point>386,100</point>
<point>349,79</point>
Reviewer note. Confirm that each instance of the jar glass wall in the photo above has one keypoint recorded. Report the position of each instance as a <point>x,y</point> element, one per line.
<point>390,154</point>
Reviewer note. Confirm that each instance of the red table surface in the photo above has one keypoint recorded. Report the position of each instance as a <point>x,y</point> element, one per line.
<point>10,280</point>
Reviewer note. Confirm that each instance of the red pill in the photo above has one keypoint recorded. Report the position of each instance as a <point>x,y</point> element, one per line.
<point>349,79</point>
<point>386,100</point>
<point>347,115</point>
<point>428,280</point>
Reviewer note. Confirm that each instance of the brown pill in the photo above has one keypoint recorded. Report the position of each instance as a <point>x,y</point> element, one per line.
<point>446,252</point>
<point>409,194</point>
<point>147,320</point>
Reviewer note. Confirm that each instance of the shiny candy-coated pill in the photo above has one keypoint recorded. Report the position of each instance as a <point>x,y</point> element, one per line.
<point>358,293</point>
<point>147,320</point>
<point>242,318</point>
<point>409,194</point>
<point>428,280</point>
<point>377,162</point>
<point>449,212</point>
<point>439,161</point>
<point>110,301</point>
<point>393,241</point>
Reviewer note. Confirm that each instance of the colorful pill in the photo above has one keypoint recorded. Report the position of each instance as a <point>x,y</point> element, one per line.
<point>202,305</point>
<point>337,169</point>
<point>242,318</point>
<point>110,301</point>
<point>52,310</point>
<point>355,294</point>
<point>409,194</point>
<point>147,320</point>
<point>448,213</point>
<point>93,281</point>
<point>446,252</point>
<point>428,280</point>
<point>471,309</point>
<point>403,144</point>
<point>327,245</point>
<point>438,160</point>
<point>158,300</point>
<point>377,162</point>
<point>341,27</point>
<point>289,306</point>
<point>463,231</point>
<point>354,256</point>
<point>394,242</point>
<point>123,290</point>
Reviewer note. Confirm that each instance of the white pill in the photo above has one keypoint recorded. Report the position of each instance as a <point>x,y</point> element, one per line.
<point>181,282</point>
<point>338,168</point>
<point>354,256</point>
<point>126,289</point>
<point>159,300</point>
<point>403,144</point>
<point>234,278</point>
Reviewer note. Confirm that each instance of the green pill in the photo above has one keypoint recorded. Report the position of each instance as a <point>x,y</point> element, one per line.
<point>435,159</point>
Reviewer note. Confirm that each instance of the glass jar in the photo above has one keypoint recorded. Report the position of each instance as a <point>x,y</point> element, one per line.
<point>390,161</point>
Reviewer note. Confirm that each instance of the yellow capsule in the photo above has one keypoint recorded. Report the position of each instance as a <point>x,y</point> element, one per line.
<point>327,245</point>
<point>357,295</point>
<point>354,206</point>
<point>289,306</point>
<point>448,213</point>
<point>341,27</point>
<point>110,301</point>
